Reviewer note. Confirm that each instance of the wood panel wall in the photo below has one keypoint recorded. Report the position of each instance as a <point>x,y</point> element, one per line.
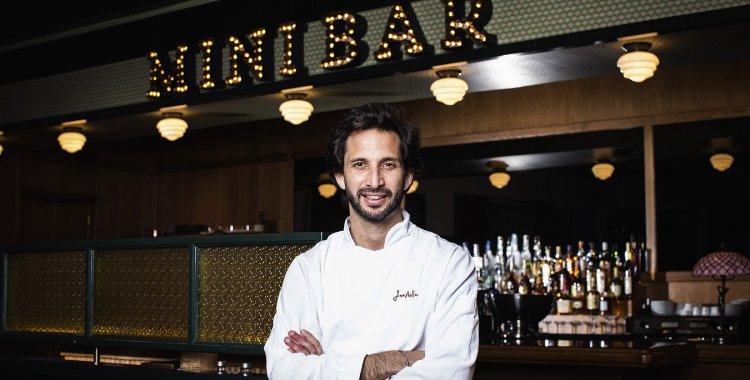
<point>680,94</point>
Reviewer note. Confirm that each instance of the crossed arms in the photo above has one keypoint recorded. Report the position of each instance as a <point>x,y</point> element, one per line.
<point>374,367</point>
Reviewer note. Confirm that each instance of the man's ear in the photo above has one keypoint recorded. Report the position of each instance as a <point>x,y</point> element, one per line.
<point>408,180</point>
<point>340,180</point>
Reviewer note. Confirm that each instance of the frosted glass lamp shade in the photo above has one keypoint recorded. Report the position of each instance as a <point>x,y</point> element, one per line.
<point>722,161</point>
<point>172,127</point>
<point>326,190</point>
<point>638,65</point>
<point>71,141</point>
<point>499,179</point>
<point>603,170</point>
<point>296,111</point>
<point>449,90</point>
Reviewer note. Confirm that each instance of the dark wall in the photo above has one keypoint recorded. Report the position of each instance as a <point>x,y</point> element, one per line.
<point>701,210</point>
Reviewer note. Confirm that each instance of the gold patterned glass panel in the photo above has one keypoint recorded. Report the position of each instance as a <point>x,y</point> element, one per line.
<point>142,293</point>
<point>238,289</point>
<point>46,292</point>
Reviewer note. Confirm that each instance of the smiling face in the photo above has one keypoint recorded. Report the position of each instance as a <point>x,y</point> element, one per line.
<point>374,177</point>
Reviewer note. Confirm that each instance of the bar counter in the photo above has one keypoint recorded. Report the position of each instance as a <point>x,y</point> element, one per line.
<point>658,360</point>
<point>632,361</point>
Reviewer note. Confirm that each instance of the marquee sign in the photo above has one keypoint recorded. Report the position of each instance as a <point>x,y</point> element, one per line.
<point>251,54</point>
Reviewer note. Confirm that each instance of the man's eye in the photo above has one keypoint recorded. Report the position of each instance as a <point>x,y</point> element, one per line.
<point>389,165</point>
<point>359,164</point>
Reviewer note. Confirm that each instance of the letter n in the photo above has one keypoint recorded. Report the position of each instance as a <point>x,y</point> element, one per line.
<point>251,57</point>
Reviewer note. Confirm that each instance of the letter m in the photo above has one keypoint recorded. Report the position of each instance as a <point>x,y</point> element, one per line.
<point>168,76</point>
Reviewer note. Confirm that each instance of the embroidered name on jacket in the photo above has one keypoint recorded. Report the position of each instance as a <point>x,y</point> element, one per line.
<point>409,294</point>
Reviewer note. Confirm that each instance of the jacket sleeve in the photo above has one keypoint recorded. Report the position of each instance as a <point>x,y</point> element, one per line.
<point>297,308</point>
<point>452,335</point>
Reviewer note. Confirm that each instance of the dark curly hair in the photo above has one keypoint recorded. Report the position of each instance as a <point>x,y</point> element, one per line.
<point>384,117</point>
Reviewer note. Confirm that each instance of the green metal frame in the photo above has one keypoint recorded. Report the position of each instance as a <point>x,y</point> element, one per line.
<point>193,243</point>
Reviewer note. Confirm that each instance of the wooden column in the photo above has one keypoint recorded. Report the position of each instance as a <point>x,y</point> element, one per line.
<point>650,189</point>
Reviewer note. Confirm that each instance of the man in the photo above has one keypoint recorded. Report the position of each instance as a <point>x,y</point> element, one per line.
<point>383,297</point>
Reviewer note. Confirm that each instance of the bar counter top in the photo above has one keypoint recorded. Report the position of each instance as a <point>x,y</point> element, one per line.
<point>581,360</point>
<point>624,355</point>
<point>616,360</point>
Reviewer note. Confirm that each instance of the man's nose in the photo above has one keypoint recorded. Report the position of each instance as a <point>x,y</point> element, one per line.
<point>375,178</point>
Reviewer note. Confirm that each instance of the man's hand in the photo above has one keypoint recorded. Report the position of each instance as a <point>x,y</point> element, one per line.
<point>303,342</point>
<point>386,364</point>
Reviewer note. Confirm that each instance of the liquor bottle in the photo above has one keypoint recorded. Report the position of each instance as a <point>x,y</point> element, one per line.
<point>498,276</point>
<point>570,262</point>
<point>526,250</point>
<point>628,254</point>
<point>616,292</point>
<point>616,286</point>
<point>605,304</point>
<point>578,294</point>
<point>562,281</point>
<point>559,261</point>
<point>616,256</point>
<point>645,259</point>
<point>592,257</point>
<point>514,255</point>
<point>605,264</point>
<point>580,259</point>
<point>635,256</point>
<point>509,283</point>
<point>592,301</point>
<point>488,262</point>
<point>552,289</point>
<point>524,284</point>
<point>489,255</point>
<point>536,248</point>
<point>547,266</point>
<point>476,256</point>
<point>500,255</point>
<point>627,273</point>
<point>563,304</point>
<point>538,287</point>
<point>602,279</point>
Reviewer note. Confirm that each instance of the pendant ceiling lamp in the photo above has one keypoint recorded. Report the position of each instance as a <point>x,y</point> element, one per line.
<point>603,170</point>
<point>296,109</point>
<point>722,161</point>
<point>72,139</point>
<point>449,89</point>
<point>413,187</point>
<point>499,177</point>
<point>326,188</point>
<point>172,126</point>
<point>637,64</point>
<point>1,147</point>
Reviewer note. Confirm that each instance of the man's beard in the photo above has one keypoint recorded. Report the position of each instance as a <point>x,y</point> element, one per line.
<point>377,215</point>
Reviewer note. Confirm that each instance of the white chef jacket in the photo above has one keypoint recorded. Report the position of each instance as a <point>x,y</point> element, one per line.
<point>418,293</point>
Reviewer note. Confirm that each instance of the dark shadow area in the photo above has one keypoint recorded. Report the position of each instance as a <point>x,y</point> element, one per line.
<point>699,209</point>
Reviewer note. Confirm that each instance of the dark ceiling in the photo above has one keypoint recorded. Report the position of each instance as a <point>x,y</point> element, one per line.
<point>49,29</point>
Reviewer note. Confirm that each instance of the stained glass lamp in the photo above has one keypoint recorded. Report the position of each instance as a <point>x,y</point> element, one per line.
<point>722,265</point>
